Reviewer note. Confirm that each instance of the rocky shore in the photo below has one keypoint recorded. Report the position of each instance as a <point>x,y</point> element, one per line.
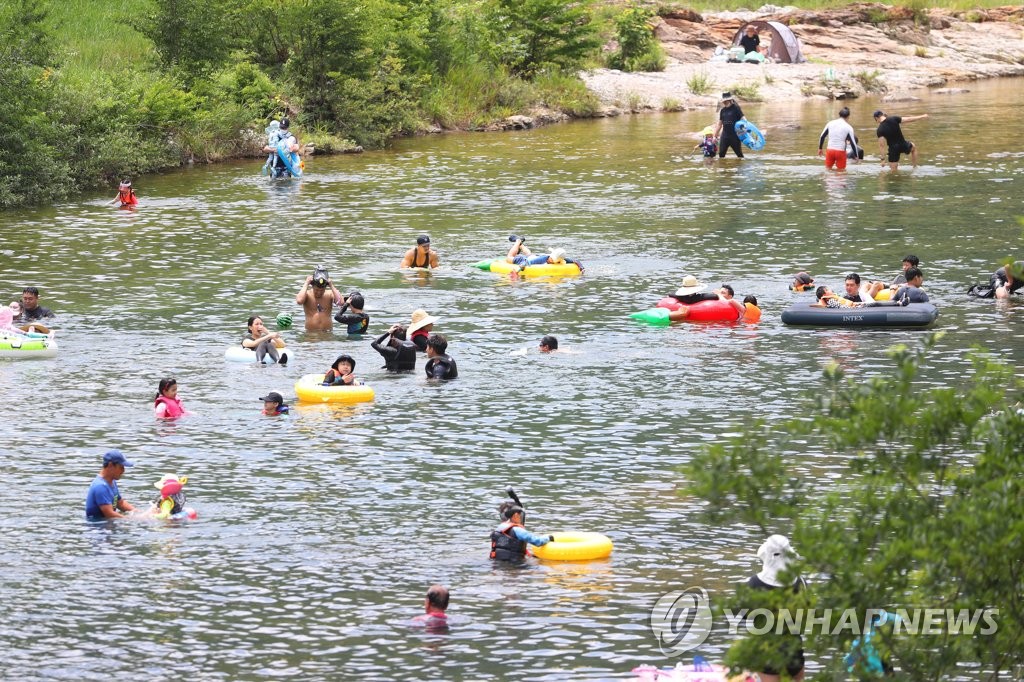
<point>850,51</point>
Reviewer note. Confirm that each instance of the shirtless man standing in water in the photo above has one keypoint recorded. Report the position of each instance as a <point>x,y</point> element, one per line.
<point>317,297</point>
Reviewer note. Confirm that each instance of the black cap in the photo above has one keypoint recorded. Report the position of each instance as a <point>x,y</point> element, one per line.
<point>273,397</point>
<point>878,112</point>
<point>423,239</point>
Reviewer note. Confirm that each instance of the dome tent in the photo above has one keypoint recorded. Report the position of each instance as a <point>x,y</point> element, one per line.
<point>785,46</point>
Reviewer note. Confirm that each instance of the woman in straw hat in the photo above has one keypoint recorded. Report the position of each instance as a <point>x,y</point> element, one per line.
<point>420,328</point>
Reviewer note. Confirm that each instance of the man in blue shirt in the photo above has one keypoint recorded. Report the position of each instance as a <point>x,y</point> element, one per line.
<point>104,501</point>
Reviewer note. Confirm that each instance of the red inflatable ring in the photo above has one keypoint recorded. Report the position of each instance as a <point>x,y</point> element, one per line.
<point>703,311</point>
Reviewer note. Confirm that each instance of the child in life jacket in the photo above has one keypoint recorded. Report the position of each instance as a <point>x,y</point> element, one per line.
<point>126,195</point>
<point>509,540</point>
<point>340,373</point>
<point>172,497</point>
<point>751,312</point>
<point>167,404</point>
<point>709,146</point>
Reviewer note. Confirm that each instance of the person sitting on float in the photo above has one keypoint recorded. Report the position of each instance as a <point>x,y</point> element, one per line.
<point>341,372</point>
<point>690,292</point>
<point>510,538</point>
<point>855,292</point>
<point>263,342</point>
<point>802,281</point>
<point>723,293</point>
<point>7,317</point>
<point>826,298</point>
<point>521,255</point>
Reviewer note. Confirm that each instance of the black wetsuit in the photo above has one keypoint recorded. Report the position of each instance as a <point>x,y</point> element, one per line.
<point>357,322</point>
<point>690,299</point>
<point>729,140</point>
<point>399,356</point>
<point>442,367</point>
<point>39,312</point>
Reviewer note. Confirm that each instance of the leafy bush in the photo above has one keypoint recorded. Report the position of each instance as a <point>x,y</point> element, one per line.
<point>700,83</point>
<point>869,80</point>
<point>189,35</point>
<point>245,84</point>
<point>928,513</point>
<point>538,35</point>
<point>638,49</point>
<point>375,110</point>
<point>566,93</point>
<point>750,92</point>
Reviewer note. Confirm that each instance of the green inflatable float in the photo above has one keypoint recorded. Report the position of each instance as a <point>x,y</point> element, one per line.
<point>653,316</point>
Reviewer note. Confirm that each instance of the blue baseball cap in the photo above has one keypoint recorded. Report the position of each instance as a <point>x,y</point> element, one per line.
<point>115,457</point>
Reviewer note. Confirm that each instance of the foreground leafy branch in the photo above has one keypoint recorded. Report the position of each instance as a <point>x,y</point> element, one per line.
<point>927,514</point>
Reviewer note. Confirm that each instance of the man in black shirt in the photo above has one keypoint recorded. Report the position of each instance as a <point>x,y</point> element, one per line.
<point>31,311</point>
<point>750,40</point>
<point>895,144</point>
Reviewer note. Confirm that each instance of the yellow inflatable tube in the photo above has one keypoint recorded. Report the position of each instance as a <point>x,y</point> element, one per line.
<point>542,270</point>
<point>575,546</point>
<point>310,389</point>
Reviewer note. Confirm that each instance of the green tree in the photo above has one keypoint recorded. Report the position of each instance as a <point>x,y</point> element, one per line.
<point>542,34</point>
<point>638,48</point>
<point>34,164</point>
<point>331,49</point>
<point>927,515</point>
<point>190,36</point>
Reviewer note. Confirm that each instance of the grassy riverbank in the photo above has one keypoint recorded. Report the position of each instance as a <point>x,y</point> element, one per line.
<point>101,91</point>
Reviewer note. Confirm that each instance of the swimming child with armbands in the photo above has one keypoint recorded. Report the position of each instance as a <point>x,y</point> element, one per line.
<point>171,500</point>
<point>510,539</point>
<point>341,372</point>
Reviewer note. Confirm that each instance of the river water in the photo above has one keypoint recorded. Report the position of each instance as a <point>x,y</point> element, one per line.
<point>319,534</point>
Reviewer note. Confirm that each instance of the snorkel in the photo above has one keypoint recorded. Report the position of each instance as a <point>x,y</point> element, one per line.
<point>520,508</point>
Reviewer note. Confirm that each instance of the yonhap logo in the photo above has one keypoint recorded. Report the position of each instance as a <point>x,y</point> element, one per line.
<point>681,620</point>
